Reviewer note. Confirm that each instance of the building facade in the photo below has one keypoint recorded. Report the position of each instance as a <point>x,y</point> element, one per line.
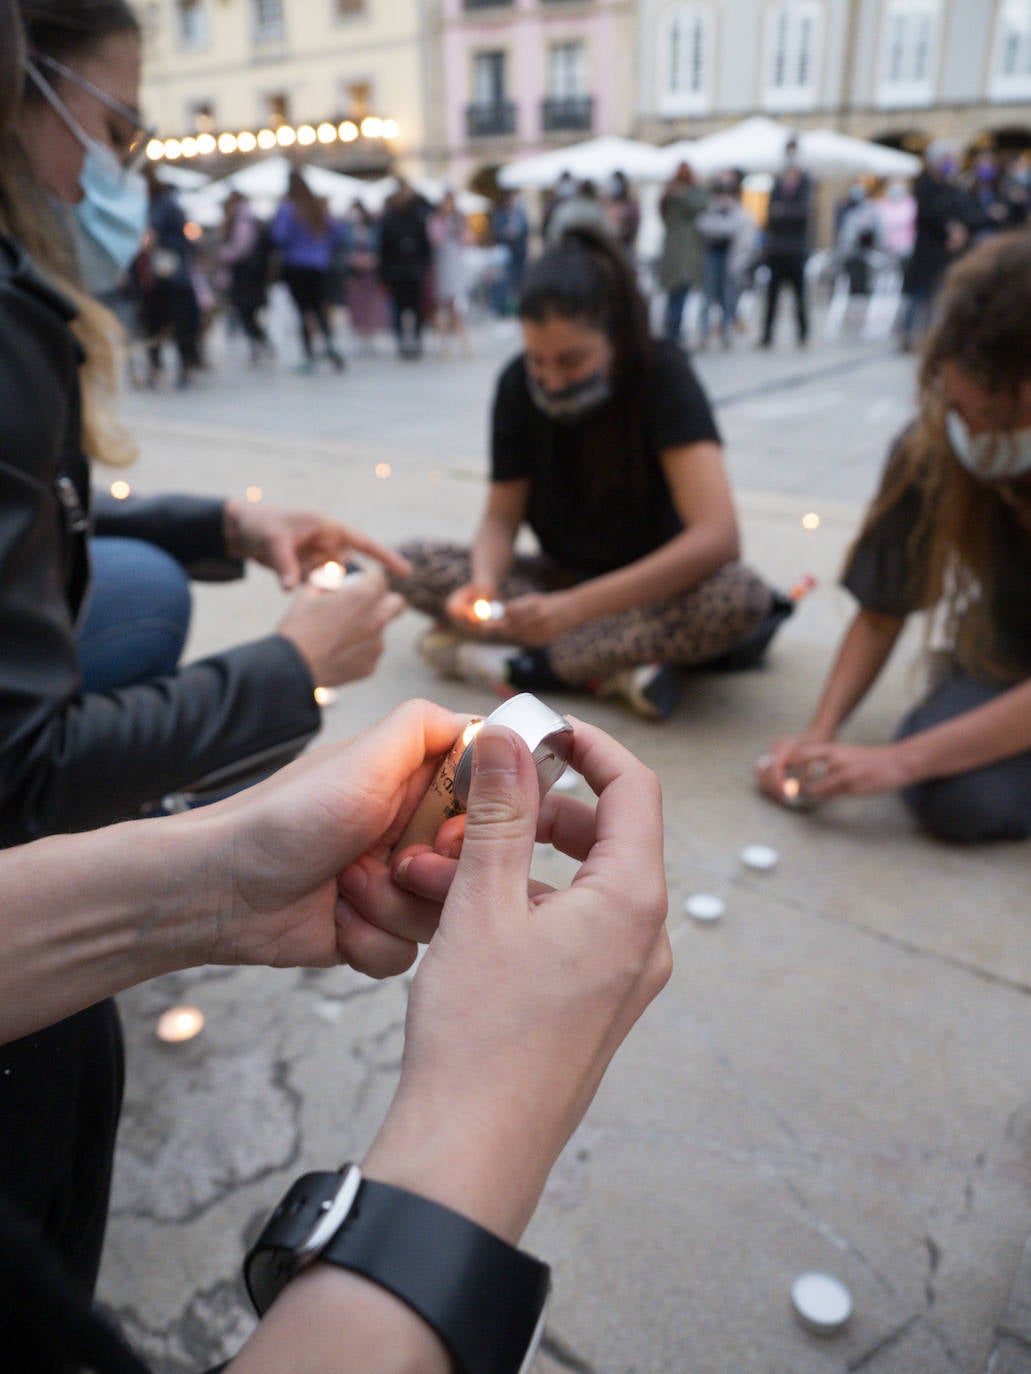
<point>224,66</point>
<point>522,76</point>
<point>900,71</point>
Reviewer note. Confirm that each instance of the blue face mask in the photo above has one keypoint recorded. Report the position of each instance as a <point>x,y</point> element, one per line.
<point>109,221</point>
<point>111,217</point>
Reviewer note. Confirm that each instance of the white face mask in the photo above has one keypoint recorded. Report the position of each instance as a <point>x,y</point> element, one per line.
<point>991,457</point>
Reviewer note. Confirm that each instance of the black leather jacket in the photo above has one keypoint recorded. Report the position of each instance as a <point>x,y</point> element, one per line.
<point>69,760</point>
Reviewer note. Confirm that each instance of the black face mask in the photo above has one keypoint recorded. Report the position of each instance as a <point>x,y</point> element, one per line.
<point>572,403</point>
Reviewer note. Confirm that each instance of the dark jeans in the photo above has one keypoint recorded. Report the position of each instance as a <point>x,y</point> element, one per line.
<point>786,270</point>
<point>60,1096</point>
<point>406,297</point>
<point>988,803</point>
<point>309,288</point>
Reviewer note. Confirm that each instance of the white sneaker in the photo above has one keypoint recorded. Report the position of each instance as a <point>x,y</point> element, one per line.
<point>650,690</point>
<point>451,655</point>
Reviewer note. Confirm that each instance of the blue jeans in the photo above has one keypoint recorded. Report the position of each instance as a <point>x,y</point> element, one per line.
<point>137,615</point>
<point>720,290</point>
<point>675,302</point>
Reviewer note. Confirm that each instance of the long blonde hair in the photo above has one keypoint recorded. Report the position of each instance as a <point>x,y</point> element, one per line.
<point>62,29</point>
<point>982,324</point>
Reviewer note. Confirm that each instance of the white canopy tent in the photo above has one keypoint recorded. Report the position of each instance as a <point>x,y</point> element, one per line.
<point>182,178</point>
<point>757,145</point>
<point>827,152</point>
<point>593,160</point>
<point>376,193</point>
<point>264,183</point>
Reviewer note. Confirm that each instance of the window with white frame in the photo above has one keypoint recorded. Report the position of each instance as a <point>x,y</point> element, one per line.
<point>909,52</point>
<point>567,70</point>
<point>191,23</point>
<point>685,59</point>
<point>794,35</point>
<point>1010,77</point>
<point>268,21</point>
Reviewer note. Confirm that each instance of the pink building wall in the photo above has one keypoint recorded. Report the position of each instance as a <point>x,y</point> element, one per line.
<point>525,30</point>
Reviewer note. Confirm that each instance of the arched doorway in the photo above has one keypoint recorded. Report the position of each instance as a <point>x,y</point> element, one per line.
<point>1007,139</point>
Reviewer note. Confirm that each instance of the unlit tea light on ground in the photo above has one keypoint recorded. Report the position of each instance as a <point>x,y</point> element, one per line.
<point>822,1304</point>
<point>704,906</point>
<point>759,856</point>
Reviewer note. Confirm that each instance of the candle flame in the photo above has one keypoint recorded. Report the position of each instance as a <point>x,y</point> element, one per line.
<point>471,731</point>
<point>482,609</point>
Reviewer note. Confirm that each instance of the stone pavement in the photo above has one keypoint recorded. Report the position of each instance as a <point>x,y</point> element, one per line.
<point>834,1077</point>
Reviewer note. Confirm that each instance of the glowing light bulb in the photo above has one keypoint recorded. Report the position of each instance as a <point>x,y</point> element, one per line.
<point>206,145</point>
<point>306,135</point>
<point>155,149</point>
<point>348,131</point>
<point>228,143</point>
<point>327,132</point>
<point>372,127</point>
<point>266,140</point>
<point>189,147</point>
<point>173,149</point>
<point>285,136</point>
<point>179,1024</point>
<point>246,142</point>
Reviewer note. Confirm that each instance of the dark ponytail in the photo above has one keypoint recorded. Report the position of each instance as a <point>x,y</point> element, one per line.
<point>586,277</point>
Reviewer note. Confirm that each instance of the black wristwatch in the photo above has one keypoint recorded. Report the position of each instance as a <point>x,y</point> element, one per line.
<point>485,1299</point>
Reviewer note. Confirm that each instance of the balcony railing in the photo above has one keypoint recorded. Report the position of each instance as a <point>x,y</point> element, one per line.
<point>495,120</point>
<point>572,112</point>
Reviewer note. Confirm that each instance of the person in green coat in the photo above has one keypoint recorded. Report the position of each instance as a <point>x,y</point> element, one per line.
<point>683,250</point>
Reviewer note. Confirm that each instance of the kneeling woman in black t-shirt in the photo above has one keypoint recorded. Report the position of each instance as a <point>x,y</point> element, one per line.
<point>605,445</point>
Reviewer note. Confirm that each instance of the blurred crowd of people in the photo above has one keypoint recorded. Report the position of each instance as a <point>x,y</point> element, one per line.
<point>417,263</point>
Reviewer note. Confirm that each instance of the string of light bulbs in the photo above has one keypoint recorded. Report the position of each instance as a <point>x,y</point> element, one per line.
<point>285,136</point>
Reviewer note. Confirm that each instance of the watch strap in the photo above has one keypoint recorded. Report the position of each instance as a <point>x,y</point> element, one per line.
<point>484,1298</point>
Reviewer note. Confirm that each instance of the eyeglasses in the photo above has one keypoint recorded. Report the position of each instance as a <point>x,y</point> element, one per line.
<point>135,149</point>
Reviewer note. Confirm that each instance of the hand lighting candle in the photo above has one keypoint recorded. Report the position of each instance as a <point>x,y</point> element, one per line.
<point>547,735</point>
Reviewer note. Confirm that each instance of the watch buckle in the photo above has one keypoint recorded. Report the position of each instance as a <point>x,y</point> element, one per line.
<point>335,1211</point>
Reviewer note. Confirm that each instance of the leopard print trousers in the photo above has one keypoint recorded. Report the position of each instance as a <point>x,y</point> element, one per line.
<point>689,629</point>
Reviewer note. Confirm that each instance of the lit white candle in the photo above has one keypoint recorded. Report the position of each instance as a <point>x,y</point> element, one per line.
<point>329,577</point>
<point>179,1023</point>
